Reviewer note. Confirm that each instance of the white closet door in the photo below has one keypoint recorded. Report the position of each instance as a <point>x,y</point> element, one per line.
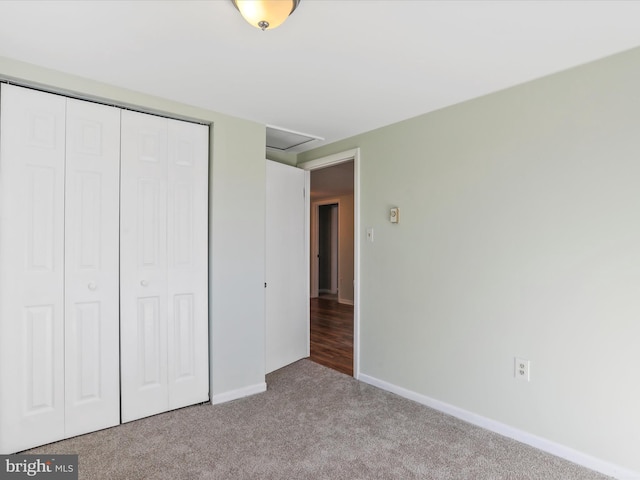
<point>31,268</point>
<point>92,386</point>
<point>143,266</point>
<point>187,227</point>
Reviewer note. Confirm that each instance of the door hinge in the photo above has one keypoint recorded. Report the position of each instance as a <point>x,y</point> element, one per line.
<point>265,284</point>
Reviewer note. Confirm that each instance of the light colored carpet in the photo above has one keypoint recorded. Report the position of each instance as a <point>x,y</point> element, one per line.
<point>312,423</point>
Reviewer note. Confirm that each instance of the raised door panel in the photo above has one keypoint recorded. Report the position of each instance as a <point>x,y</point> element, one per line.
<point>187,248</point>
<point>92,387</point>
<point>143,266</point>
<point>32,152</point>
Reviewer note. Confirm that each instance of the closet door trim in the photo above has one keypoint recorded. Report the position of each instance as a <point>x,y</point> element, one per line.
<point>124,106</point>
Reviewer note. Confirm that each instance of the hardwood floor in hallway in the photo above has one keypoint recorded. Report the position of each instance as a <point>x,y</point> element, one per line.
<point>332,334</point>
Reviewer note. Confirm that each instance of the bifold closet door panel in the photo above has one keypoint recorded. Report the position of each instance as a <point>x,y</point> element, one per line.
<point>143,266</point>
<point>164,267</point>
<point>92,385</point>
<point>187,247</point>
<point>32,155</point>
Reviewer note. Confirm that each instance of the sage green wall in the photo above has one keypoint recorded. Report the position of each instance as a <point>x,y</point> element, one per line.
<point>519,235</point>
<point>236,227</point>
<point>281,157</point>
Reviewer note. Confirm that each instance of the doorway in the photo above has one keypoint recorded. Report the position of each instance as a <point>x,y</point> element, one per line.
<point>332,273</point>
<point>328,247</point>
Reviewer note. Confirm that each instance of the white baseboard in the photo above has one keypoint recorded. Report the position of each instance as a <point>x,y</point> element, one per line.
<point>239,393</point>
<point>540,443</point>
<point>345,302</point>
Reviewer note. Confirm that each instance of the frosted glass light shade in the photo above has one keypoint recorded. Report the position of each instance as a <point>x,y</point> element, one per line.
<point>265,14</point>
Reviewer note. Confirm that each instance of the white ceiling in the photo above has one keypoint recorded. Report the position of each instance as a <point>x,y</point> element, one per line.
<point>334,69</point>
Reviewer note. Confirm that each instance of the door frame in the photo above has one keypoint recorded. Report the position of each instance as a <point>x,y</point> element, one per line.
<point>323,162</point>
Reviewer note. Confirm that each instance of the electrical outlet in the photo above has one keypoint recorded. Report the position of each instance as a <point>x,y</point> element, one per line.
<point>522,369</point>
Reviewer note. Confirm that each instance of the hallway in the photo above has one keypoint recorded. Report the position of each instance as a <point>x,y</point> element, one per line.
<point>332,334</point>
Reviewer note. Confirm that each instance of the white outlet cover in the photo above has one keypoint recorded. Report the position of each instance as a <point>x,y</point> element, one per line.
<point>522,369</point>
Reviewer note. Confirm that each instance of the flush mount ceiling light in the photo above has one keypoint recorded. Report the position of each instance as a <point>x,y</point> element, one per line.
<point>265,14</point>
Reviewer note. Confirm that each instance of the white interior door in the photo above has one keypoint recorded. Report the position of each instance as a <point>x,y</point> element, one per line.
<point>287,324</point>
<point>31,268</point>
<point>92,377</point>
<point>188,266</point>
<point>143,266</point>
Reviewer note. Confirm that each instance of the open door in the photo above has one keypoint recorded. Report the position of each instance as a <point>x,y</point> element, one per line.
<point>287,309</point>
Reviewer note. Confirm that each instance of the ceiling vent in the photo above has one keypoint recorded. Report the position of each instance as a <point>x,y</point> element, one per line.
<point>282,139</point>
